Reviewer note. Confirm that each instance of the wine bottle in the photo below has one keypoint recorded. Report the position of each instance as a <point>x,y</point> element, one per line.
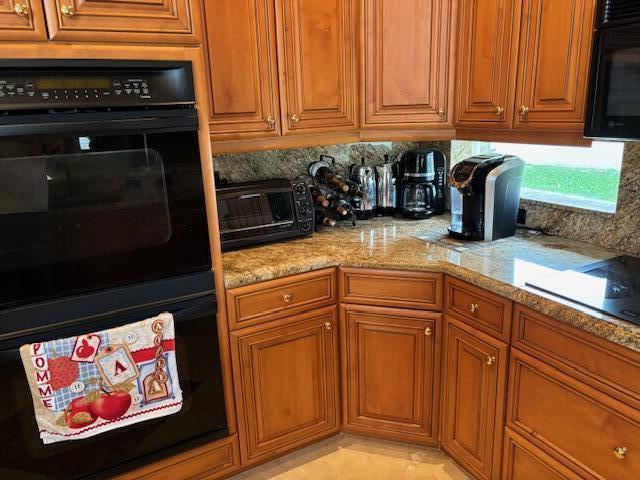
<point>323,219</point>
<point>322,172</point>
<point>319,198</point>
<point>338,206</point>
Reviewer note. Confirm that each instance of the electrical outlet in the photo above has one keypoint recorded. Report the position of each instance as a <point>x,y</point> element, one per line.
<point>522,216</point>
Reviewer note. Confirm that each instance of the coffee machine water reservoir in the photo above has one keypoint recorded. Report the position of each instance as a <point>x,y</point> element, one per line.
<point>485,196</point>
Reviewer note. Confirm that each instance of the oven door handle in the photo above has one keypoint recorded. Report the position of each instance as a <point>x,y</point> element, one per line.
<point>102,122</point>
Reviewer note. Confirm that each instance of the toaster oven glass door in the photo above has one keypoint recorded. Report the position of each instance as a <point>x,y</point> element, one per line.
<point>256,211</point>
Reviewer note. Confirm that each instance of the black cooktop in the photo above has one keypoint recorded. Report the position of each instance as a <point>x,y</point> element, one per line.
<point>611,286</point>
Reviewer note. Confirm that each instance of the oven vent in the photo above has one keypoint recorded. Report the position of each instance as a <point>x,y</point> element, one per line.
<point>620,11</point>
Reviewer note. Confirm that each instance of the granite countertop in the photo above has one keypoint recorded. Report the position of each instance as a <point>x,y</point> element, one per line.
<point>502,267</point>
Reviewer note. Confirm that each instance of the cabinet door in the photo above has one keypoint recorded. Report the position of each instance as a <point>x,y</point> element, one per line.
<point>22,20</point>
<point>391,372</point>
<point>286,382</point>
<point>241,44</point>
<point>407,63</point>
<point>555,48</point>
<point>318,65</point>
<point>146,21</point>
<point>487,62</point>
<point>474,384</point>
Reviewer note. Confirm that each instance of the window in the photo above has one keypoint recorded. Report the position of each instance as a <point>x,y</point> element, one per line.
<point>583,177</point>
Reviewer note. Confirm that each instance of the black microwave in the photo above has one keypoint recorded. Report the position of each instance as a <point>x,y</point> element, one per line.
<point>613,110</point>
<point>260,212</point>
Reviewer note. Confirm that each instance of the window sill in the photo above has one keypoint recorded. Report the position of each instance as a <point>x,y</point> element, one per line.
<point>568,202</point>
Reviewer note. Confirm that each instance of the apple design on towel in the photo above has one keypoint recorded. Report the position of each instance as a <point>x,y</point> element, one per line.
<point>79,413</point>
<point>111,405</point>
<point>85,350</point>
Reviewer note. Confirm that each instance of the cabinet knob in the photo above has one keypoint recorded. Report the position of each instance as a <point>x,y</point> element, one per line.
<point>67,10</point>
<point>328,325</point>
<point>524,110</point>
<point>428,331</point>
<point>473,307</point>
<point>442,112</point>
<point>21,9</point>
<point>271,121</point>
<point>620,452</point>
<point>295,118</point>
<point>499,111</point>
<point>287,297</point>
<point>491,360</point>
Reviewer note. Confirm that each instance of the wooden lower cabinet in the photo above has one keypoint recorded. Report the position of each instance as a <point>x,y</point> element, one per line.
<point>474,385</point>
<point>390,372</point>
<point>286,382</point>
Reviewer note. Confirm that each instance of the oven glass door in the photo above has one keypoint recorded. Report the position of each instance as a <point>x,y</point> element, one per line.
<point>615,87</point>
<point>256,211</point>
<point>202,417</point>
<point>82,212</point>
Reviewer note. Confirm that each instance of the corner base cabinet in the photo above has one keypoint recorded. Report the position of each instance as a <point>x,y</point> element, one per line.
<point>390,372</point>
<point>286,383</point>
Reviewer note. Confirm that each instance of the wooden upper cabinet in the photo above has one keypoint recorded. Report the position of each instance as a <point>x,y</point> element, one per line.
<point>555,49</point>
<point>22,20</point>
<point>486,62</point>
<point>474,386</point>
<point>317,65</point>
<point>407,63</point>
<point>144,21</point>
<point>241,46</point>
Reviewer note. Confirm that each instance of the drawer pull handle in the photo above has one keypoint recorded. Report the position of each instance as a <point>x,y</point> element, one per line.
<point>328,325</point>
<point>473,307</point>
<point>491,360</point>
<point>67,10</point>
<point>287,297</point>
<point>21,9</point>
<point>295,118</point>
<point>499,111</point>
<point>442,112</point>
<point>620,452</point>
<point>524,110</point>
<point>271,121</point>
<point>428,331</point>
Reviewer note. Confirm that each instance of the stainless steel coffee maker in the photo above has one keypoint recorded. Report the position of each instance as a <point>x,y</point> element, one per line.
<point>386,186</point>
<point>365,206</point>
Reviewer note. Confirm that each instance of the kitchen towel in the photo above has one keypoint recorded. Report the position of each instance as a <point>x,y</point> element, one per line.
<point>86,385</point>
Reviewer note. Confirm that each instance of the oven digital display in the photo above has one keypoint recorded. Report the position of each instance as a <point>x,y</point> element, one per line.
<point>72,83</point>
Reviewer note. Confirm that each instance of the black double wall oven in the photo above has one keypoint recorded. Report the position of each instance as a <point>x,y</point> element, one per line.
<point>103,223</point>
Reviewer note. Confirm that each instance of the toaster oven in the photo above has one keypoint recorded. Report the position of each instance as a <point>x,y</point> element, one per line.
<point>262,212</point>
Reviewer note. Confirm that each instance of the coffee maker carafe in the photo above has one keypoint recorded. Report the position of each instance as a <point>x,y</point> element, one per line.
<point>485,197</point>
<point>418,192</point>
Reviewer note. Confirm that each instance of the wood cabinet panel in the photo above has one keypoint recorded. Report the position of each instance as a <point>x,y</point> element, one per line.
<point>241,46</point>
<point>554,54</point>
<point>524,461</point>
<point>22,20</point>
<point>146,21</point>
<point>318,65</point>
<point>603,365</point>
<point>407,64</point>
<point>572,421</point>
<point>269,300</point>
<point>393,288</point>
<point>479,308</point>
<point>474,385</point>
<point>391,368</point>
<point>487,62</point>
<point>286,378</point>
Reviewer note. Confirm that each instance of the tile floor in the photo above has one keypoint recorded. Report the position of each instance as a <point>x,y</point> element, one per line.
<point>347,457</point>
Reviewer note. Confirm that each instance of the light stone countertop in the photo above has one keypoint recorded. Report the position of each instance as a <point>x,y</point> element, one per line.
<point>502,267</point>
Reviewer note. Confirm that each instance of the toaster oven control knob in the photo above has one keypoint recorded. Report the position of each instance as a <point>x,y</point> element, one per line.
<point>306,225</point>
<point>304,211</point>
<point>300,190</point>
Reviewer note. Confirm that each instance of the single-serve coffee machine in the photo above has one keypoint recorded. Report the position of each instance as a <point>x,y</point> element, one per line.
<point>485,196</point>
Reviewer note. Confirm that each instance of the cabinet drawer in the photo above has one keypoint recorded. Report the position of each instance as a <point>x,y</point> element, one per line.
<point>573,421</point>
<point>285,296</point>
<point>481,309</point>
<point>417,290</point>
<point>524,461</point>
<point>604,365</point>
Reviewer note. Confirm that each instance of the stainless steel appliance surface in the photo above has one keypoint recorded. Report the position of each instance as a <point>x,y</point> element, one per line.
<point>613,110</point>
<point>485,196</point>
<point>387,187</point>
<point>365,177</point>
<point>103,223</point>
<point>266,211</point>
<point>611,286</point>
